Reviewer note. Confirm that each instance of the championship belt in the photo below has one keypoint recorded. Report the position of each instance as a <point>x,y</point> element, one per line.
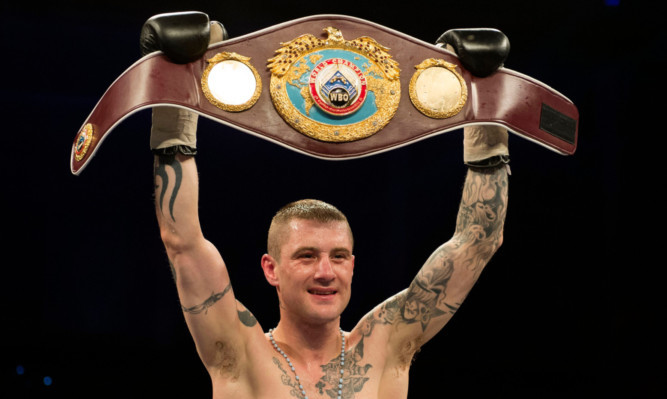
<point>334,87</point>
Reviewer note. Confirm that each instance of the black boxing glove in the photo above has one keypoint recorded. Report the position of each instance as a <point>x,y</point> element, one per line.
<point>481,50</point>
<point>174,129</point>
<point>182,36</point>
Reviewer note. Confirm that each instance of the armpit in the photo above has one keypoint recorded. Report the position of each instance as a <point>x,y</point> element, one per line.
<point>226,360</point>
<point>407,352</point>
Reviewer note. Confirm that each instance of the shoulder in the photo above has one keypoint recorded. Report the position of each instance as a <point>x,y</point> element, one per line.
<point>381,332</point>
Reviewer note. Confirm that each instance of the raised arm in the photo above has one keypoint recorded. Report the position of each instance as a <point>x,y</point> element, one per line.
<point>201,276</point>
<point>449,274</point>
<point>415,315</point>
<point>216,320</point>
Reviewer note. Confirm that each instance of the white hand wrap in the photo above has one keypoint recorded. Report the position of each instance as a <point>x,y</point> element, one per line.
<point>485,145</point>
<point>174,126</point>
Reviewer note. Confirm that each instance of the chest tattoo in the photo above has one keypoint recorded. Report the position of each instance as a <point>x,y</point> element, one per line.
<point>354,376</point>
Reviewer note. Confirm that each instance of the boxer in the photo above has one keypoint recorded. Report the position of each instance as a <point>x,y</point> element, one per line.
<point>310,262</point>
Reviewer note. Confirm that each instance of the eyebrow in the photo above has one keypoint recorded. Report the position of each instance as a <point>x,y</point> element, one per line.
<point>301,250</point>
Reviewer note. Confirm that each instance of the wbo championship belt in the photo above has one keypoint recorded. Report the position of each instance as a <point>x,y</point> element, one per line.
<point>334,87</point>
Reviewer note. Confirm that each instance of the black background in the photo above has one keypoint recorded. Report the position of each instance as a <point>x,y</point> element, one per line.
<point>567,307</point>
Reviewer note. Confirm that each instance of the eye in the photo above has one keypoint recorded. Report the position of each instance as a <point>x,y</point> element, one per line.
<point>341,256</point>
<point>305,255</point>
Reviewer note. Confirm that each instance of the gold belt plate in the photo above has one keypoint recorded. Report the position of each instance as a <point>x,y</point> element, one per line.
<point>332,89</point>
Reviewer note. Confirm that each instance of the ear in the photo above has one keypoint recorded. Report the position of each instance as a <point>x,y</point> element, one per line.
<point>269,266</point>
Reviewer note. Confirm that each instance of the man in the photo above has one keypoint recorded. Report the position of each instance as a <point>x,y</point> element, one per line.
<point>310,261</point>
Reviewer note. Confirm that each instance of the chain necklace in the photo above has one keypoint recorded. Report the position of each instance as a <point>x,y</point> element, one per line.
<point>296,376</point>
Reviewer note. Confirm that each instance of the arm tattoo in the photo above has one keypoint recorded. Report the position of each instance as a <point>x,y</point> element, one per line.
<point>478,234</point>
<point>425,298</point>
<point>203,307</point>
<point>483,207</point>
<point>161,171</point>
<point>247,318</point>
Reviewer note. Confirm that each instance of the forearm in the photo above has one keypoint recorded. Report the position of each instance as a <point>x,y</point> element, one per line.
<point>451,271</point>
<point>176,202</point>
<point>481,216</point>
<point>195,262</point>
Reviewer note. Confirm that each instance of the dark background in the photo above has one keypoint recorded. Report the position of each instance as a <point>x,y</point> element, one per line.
<point>568,307</point>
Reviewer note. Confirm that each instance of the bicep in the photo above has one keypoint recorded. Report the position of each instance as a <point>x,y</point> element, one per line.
<point>434,295</point>
<point>204,288</point>
<point>216,320</point>
<point>413,316</point>
<point>446,278</point>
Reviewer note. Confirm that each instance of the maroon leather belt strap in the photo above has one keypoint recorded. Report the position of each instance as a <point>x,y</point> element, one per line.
<point>523,105</point>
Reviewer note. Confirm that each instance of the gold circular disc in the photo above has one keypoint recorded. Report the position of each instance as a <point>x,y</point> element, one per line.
<point>231,83</point>
<point>82,142</point>
<point>437,90</point>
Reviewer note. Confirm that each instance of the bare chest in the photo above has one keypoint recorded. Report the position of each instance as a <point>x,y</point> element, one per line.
<point>355,374</point>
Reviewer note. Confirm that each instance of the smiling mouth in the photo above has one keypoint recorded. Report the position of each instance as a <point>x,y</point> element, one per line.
<point>322,292</point>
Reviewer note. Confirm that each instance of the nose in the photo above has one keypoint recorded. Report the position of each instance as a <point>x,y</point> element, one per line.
<point>324,270</point>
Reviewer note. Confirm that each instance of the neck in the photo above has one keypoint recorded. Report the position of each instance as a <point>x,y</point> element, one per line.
<point>309,342</point>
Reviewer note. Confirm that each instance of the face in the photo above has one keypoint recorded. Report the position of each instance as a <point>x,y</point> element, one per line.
<point>314,273</point>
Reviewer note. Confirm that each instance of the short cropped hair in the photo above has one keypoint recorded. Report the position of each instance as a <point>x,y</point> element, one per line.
<point>307,209</point>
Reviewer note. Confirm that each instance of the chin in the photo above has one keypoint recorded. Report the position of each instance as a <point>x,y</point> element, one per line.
<point>328,313</point>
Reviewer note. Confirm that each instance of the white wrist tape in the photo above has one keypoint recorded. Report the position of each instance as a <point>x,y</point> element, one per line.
<point>172,127</point>
<point>485,145</point>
